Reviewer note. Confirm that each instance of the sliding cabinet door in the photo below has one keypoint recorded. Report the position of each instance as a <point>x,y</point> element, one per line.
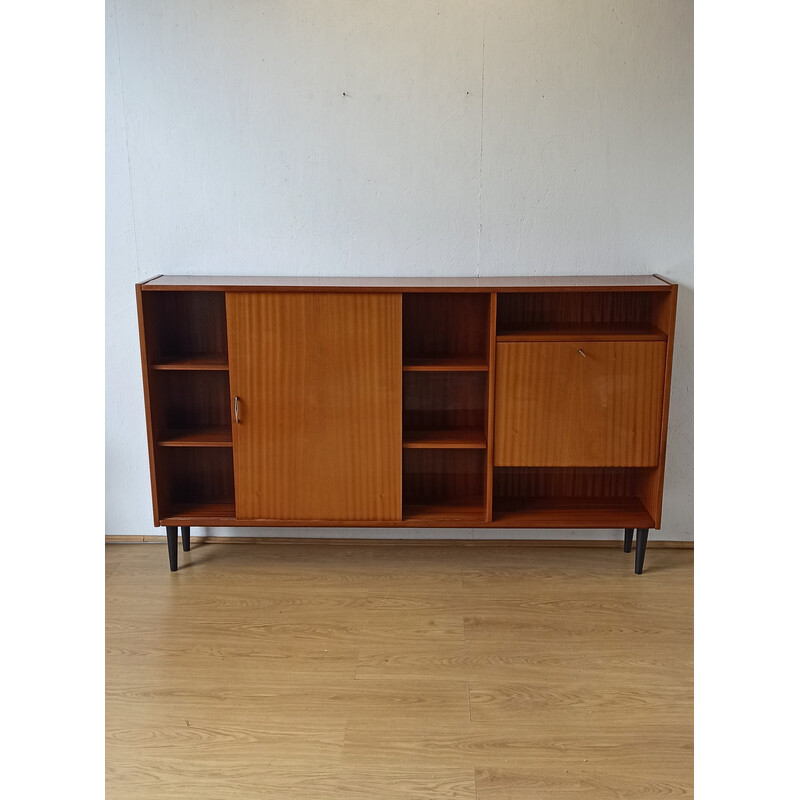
<point>316,393</point>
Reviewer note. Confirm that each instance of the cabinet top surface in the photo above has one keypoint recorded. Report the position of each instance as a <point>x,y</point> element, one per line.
<point>288,283</point>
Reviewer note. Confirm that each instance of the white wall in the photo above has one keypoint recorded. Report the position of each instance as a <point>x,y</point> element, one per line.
<point>460,137</point>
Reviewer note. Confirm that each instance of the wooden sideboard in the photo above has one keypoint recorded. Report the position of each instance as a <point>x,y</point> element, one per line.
<point>472,402</point>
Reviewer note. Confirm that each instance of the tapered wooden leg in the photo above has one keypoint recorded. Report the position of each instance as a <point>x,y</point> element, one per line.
<point>185,537</point>
<point>641,545</point>
<point>172,546</point>
<point>628,539</point>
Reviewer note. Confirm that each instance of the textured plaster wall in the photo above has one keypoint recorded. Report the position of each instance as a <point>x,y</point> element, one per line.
<point>461,137</point>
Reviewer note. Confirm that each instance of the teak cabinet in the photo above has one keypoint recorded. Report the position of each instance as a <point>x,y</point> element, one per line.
<point>495,402</point>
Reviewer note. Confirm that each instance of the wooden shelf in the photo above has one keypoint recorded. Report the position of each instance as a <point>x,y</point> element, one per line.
<point>570,512</point>
<point>199,514</point>
<point>210,361</point>
<point>455,439</point>
<point>198,437</point>
<point>446,364</point>
<point>437,512</point>
<point>572,332</point>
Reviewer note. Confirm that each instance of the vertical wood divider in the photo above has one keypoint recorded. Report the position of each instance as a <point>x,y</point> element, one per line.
<point>402,401</point>
<point>654,483</point>
<point>490,404</point>
<point>231,394</point>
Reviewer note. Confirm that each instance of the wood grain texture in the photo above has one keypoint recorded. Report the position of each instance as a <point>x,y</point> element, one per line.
<point>562,313</point>
<point>211,436</point>
<point>445,325</point>
<point>444,401</point>
<point>192,400</point>
<point>586,332</point>
<point>319,381</point>
<point>452,438</point>
<point>449,330</point>
<point>589,483</point>
<point>451,477</point>
<point>446,364</point>
<point>369,671</point>
<point>194,478</point>
<point>146,348</point>
<point>562,497</point>
<point>555,407</point>
<point>185,325</point>
<point>653,483</point>
<point>566,512</point>
<point>581,777</point>
<point>212,361</point>
<point>184,361</point>
<point>490,390</point>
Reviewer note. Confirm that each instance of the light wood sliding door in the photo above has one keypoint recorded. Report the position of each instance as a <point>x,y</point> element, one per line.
<point>318,377</point>
<point>579,403</point>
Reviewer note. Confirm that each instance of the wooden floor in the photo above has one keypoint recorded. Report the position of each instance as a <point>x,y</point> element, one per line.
<point>384,671</point>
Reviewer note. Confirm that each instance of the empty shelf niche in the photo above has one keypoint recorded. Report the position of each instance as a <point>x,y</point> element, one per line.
<point>571,497</point>
<point>444,486</point>
<point>564,316</point>
<point>445,330</point>
<point>444,409</point>
<point>186,330</point>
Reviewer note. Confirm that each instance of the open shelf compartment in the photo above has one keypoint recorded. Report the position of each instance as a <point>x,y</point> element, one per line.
<point>185,330</point>
<point>446,330</point>
<point>582,316</point>
<point>195,482</point>
<point>444,486</point>
<point>444,409</point>
<point>570,497</point>
<point>191,409</point>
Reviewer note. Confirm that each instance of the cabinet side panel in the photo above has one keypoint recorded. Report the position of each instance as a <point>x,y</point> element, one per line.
<point>146,345</point>
<point>653,483</point>
<point>319,381</point>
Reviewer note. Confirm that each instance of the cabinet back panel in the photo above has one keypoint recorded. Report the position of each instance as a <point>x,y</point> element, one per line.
<point>197,475</point>
<point>193,400</point>
<point>444,400</point>
<point>185,324</point>
<point>444,475</point>
<point>537,310</point>
<point>440,325</point>
<point>561,482</point>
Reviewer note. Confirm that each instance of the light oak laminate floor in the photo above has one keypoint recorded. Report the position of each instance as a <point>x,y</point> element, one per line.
<point>387,671</point>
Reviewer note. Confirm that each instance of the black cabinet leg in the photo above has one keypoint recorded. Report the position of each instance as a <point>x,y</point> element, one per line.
<point>185,537</point>
<point>641,546</point>
<point>628,539</point>
<point>172,546</point>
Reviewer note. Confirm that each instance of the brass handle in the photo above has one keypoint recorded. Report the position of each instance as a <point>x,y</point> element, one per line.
<point>236,408</point>
<point>581,352</point>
